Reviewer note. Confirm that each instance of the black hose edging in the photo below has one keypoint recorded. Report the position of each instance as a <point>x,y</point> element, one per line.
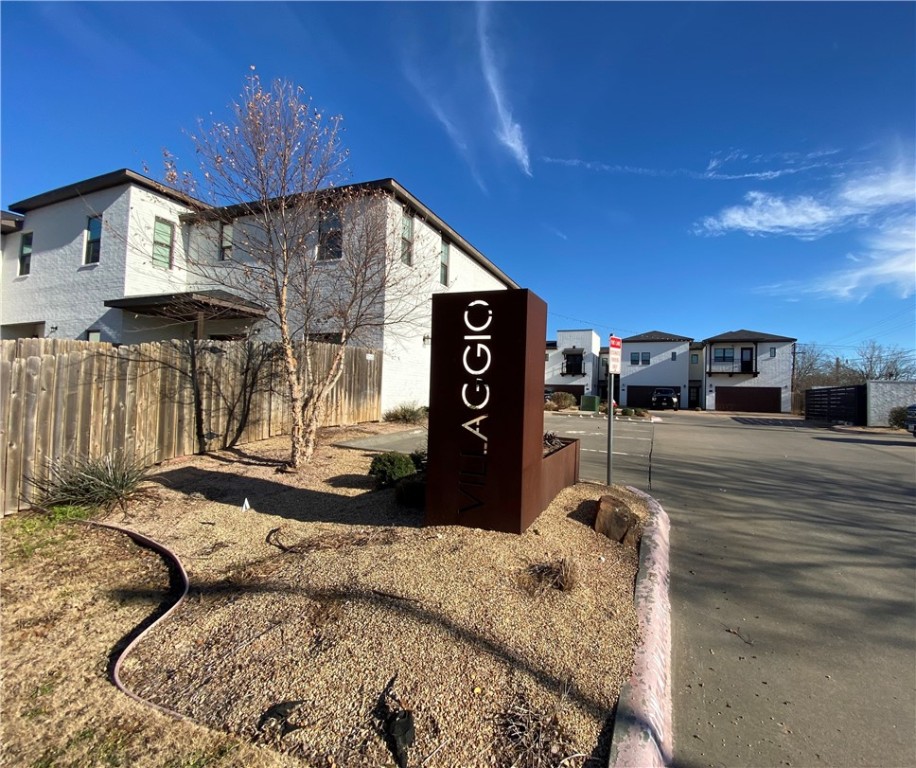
<point>167,554</point>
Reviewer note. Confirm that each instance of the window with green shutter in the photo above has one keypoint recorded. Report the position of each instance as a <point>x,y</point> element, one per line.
<point>163,235</point>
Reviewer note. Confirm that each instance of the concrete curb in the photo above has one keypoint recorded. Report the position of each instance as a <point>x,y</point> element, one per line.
<point>643,733</point>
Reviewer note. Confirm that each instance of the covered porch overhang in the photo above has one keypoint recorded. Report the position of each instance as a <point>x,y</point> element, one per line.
<point>192,307</point>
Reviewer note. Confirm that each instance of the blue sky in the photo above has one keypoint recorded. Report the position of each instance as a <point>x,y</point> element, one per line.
<point>693,167</point>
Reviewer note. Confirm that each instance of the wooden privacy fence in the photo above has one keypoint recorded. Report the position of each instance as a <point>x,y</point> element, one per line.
<point>61,398</point>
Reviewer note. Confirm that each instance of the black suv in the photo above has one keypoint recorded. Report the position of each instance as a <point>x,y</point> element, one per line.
<point>664,397</point>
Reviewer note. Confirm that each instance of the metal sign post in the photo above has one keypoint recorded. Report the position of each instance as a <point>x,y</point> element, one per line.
<point>613,368</point>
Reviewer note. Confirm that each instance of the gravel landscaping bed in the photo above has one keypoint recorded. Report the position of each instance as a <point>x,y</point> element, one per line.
<point>325,608</point>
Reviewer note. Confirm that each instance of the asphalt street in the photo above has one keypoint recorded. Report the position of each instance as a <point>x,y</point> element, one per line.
<point>793,582</point>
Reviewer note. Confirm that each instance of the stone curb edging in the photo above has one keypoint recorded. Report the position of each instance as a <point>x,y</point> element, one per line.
<point>643,734</point>
<point>167,554</point>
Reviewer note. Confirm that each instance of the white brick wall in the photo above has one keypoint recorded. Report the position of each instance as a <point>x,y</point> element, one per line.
<point>773,371</point>
<point>884,395</point>
<point>406,367</point>
<point>585,339</point>
<point>661,371</point>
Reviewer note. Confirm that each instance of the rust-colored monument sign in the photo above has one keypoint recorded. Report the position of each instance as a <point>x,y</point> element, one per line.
<point>486,405</point>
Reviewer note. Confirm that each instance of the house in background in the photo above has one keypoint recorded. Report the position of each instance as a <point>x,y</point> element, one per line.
<point>735,371</point>
<point>650,360</point>
<point>106,259</point>
<point>572,363</point>
<point>749,371</point>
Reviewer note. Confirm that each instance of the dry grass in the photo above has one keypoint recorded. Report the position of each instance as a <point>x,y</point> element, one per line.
<point>307,605</point>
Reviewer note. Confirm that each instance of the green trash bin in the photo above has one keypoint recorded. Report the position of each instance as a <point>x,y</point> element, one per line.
<point>589,403</point>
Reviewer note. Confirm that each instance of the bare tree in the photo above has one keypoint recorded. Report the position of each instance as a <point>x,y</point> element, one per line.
<point>812,367</point>
<point>877,362</point>
<point>326,259</point>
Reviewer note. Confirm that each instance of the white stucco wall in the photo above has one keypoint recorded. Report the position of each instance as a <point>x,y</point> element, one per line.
<point>881,396</point>
<point>661,371</point>
<point>773,371</point>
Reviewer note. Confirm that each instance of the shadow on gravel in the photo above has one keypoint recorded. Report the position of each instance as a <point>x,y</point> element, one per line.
<point>287,501</point>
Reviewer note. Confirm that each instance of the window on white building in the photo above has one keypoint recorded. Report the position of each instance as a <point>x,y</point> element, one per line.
<point>93,335</point>
<point>724,355</point>
<point>330,237</point>
<point>406,237</point>
<point>93,240</point>
<point>694,359</point>
<point>674,355</point>
<point>646,358</point>
<point>443,262</point>
<point>772,351</point>
<point>163,240</point>
<point>225,242</point>
<point>634,358</point>
<point>25,253</point>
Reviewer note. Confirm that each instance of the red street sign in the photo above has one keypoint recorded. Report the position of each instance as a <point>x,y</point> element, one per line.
<point>616,342</point>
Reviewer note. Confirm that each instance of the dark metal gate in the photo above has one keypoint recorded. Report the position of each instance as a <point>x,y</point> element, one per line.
<point>847,404</point>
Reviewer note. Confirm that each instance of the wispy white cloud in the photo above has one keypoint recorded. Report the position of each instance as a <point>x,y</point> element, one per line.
<point>507,131</point>
<point>880,206</point>
<point>855,202</point>
<point>439,111</point>
<point>713,171</point>
<point>555,231</point>
<point>888,259</point>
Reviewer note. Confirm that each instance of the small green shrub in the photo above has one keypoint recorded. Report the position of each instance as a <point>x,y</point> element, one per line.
<point>897,417</point>
<point>407,413</point>
<point>411,491</point>
<point>388,468</point>
<point>626,411</point>
<point>641,412</point>
<point>563,399</point>
<point>420,459</point>
<point>94,484</point>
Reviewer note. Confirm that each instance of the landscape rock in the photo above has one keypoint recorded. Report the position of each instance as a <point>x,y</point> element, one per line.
<point>618,522</point>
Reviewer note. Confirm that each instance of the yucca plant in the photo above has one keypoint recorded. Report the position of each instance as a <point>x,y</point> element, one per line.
<point>100,484</point>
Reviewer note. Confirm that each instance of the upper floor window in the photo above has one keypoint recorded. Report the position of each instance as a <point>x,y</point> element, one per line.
<point>646,358</point>
<point>724,355</point>
<point>93,240</point>
<point>163,240</point>
<point>225,242</point>
<point>634,358</point>
<point>443,262</point>
<point>406,237</point>
<point>674,356</point>
<point>93,335</point>
<point>772,351</point>
<point>330,237</point>
<point>694,358</point>
<point>574,364</point>
<point>25,253</point>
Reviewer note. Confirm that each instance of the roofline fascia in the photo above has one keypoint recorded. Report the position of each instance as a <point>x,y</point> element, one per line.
<point>123,176</point>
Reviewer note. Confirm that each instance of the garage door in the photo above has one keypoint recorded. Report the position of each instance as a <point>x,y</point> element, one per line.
<point>753,399</point>
<point>641,397</point>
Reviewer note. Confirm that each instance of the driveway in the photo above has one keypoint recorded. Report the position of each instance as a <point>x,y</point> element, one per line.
<point>793,583</point>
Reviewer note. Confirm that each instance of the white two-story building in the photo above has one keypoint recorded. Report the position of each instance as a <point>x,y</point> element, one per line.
<point>109,259</point>
<point>572,363</point>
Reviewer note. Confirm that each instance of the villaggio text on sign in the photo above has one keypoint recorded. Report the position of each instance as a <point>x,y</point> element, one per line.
<point>486,409</point>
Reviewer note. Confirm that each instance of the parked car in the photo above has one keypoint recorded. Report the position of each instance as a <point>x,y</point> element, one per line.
<point>911,419</point>
<point>665,397</point>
